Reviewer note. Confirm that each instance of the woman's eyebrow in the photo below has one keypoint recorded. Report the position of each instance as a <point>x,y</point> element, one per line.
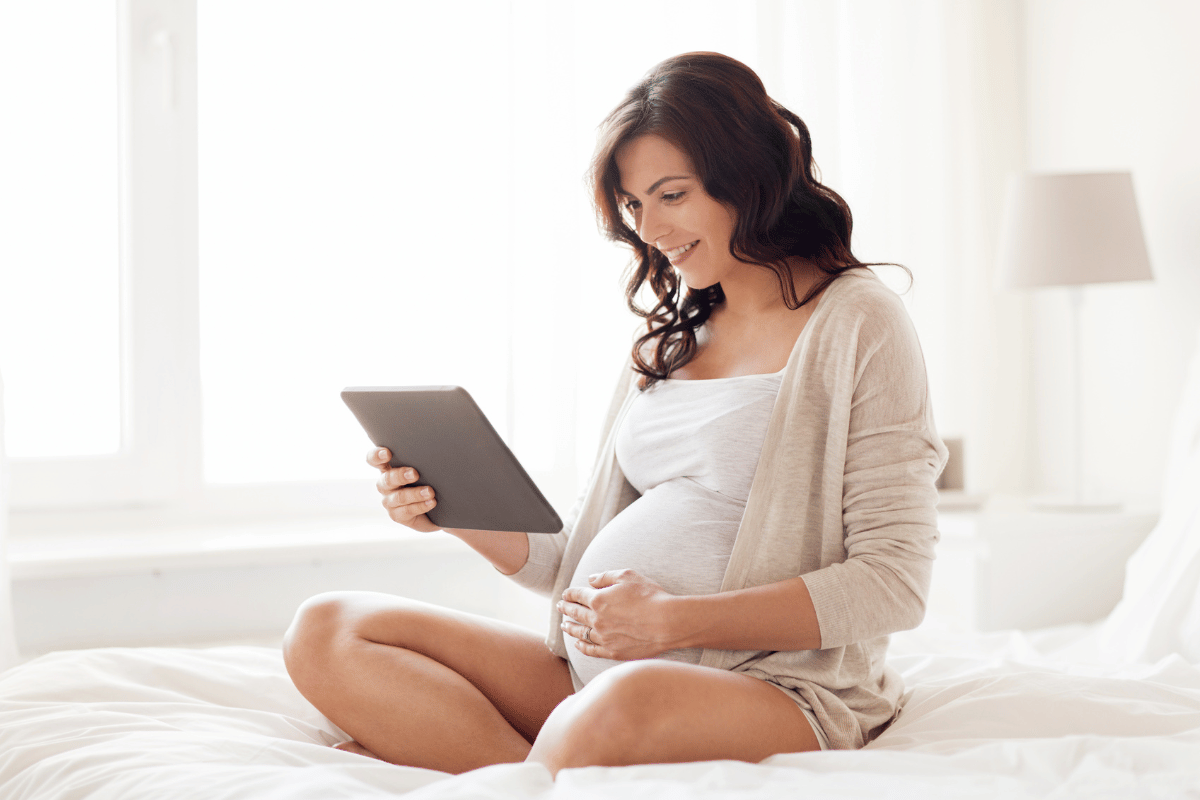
<point>656,184</point>
<point>661,181</point>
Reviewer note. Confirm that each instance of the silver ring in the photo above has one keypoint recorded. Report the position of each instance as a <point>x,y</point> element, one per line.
<point>587,636</point>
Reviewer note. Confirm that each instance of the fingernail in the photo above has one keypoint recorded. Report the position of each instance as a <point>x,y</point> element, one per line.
<point>425,492</point>
<point>410,475</point>
<point>429,503</point>
<point>380,453</point>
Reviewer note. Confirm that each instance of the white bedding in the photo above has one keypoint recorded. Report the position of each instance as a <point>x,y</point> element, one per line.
<point>991,716</point>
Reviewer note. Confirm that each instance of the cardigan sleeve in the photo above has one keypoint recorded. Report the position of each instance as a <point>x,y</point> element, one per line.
<point>545,556</point>
<point>892,459</point>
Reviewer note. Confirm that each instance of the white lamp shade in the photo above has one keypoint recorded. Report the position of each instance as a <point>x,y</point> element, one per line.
<point>1066,230</point>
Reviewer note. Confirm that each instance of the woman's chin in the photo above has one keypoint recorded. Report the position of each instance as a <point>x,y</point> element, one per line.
<point>695,284</point>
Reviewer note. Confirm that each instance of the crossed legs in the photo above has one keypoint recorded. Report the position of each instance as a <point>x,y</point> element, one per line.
<point>426,686</point>
<point>421,685</point>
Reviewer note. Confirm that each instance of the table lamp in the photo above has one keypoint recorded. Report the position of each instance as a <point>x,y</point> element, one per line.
<point>1071,230</point>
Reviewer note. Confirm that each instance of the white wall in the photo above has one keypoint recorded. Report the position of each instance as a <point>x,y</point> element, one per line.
<point>189,587</point>
<point>1115,84</point>
<point>8,644</point>
<point>1048,85</point>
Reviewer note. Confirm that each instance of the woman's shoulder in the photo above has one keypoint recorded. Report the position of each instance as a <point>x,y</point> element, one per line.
<point>858,286</point>
<point>859,299</point>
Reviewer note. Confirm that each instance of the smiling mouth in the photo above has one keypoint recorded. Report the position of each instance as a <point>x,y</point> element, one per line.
<point>677,254</point>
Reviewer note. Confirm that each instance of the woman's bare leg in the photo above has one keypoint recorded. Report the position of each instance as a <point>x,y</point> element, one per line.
<point>421,685</point>
<point>657,711</point>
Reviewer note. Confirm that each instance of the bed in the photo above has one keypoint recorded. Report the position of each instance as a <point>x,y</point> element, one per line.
<point>999,715</point>
<point>1106,710</point>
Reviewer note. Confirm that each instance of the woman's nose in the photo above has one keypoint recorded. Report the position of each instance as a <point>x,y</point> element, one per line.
<point>650,227</point>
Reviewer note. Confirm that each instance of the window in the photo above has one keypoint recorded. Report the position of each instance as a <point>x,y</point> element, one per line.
<point>214,216</point>
<point>59,306</point>
<point>316,195</point>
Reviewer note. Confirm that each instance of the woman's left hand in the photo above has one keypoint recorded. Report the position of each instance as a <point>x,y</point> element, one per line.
<point>626,612</point>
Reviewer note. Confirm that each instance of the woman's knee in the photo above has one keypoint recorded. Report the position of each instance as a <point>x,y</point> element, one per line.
<point>628,698</point>
<point>609,721</point>
<point>327,623</point>
<point>314,633</point>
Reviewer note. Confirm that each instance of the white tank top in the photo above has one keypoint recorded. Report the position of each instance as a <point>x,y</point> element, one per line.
<point>690,448</point>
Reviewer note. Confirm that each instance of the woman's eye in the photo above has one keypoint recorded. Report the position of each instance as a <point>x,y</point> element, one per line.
<point>671,197</point>
<point>632,205</point>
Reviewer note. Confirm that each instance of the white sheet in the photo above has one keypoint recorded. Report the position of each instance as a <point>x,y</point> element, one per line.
<point>1159,612</point>
<point>988,717</point>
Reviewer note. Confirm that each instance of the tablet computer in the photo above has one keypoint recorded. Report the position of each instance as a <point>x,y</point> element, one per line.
<point>441,433</point>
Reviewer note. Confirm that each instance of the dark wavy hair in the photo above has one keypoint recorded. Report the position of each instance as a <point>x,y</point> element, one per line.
<point>750,154</point>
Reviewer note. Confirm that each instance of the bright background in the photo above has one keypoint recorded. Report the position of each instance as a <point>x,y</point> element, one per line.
<point>59,280</point>
<point>391,193</point>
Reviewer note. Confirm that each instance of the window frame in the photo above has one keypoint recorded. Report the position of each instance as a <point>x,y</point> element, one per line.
<point>158,461</point>
<point>156,478</point>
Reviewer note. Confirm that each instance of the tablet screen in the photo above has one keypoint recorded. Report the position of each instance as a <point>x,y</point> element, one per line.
<point>441,433</point>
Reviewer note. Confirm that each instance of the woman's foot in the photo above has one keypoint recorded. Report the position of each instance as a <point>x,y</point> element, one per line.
<point>354,747</point>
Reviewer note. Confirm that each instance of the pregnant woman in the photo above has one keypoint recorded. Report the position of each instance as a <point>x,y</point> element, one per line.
<point>761,515</point>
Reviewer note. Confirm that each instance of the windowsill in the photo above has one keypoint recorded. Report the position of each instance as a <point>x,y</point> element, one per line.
<point>112,550</point>
<point>138,542</point>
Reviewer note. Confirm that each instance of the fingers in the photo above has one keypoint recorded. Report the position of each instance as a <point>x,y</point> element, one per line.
<point>577,612</point>
<point>411,501</point>
<point>577,595</point>
<point>582,632</point>
<point>410,514</point>
<point>588,640</point>
<point>405,503</point>
<point>394,477</point>
<point>379,457</point>
<point>602,579</point>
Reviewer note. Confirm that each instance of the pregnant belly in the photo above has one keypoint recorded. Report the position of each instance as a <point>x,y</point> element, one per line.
<point>679,535</point>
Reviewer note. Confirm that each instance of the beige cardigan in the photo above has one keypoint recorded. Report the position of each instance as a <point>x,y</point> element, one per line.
<point>843,495</point>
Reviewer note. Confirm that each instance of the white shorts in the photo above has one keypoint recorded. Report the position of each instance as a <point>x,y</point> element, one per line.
<point>822,739</point>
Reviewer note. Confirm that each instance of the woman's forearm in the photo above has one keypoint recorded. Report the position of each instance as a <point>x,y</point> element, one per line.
<point>507,550</point>
<point>777,616</point>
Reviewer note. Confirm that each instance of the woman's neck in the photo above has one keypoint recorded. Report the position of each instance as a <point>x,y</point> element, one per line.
<point>755,292</point>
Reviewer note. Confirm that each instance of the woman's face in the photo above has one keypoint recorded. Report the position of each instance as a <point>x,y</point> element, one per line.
<point>672,212</point>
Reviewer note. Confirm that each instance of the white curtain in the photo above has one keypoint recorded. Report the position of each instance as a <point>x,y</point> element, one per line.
<point>915,113</point>
<point>8,644</point>
<point>917,116</point>
<point>1159,612</point>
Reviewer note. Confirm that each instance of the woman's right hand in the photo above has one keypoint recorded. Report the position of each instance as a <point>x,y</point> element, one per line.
<point>405,503</point>
<point>507,550</point>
